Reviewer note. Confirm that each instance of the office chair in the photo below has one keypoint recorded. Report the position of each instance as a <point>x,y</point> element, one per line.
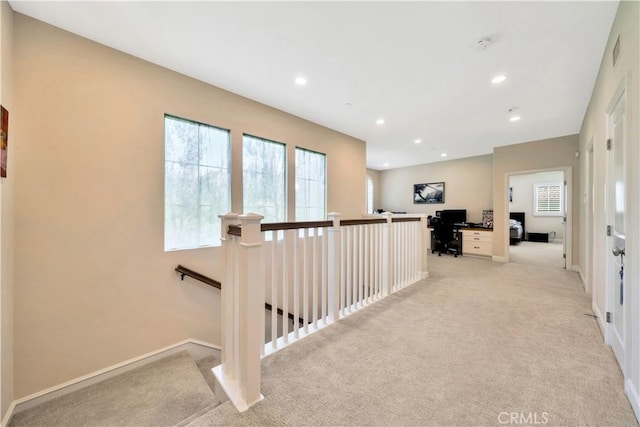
<point>444,236</point>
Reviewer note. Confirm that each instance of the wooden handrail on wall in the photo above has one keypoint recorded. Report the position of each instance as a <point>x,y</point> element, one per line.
<point>184,271</point>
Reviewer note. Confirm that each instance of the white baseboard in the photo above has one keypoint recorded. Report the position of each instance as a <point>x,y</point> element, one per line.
<point>197,350</point>
<point>599,319</point>
<point>499,258</point>
<point>583,279</point>
<point>634,397</point>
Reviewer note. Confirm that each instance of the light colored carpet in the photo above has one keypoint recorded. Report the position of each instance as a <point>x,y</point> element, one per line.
<point>537,253</point>
<point>162,393</point>
<point>475,340</point>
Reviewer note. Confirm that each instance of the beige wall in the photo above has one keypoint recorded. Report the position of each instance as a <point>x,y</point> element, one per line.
<point>532,156</point>
<point>593,134</point>
<point>94,285</point>
<point>467,186</point>
<point>6,213</point>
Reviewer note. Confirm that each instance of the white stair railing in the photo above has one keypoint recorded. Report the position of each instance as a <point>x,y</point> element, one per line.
<point>313,273</point>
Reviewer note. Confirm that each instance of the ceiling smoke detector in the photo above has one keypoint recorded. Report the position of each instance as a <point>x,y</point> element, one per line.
<point>482,44</point>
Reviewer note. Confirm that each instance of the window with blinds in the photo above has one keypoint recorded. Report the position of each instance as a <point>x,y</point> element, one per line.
<point>369,195</point>
<point>548,199</point>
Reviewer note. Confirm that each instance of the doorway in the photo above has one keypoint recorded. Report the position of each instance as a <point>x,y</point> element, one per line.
<point>539,225</point>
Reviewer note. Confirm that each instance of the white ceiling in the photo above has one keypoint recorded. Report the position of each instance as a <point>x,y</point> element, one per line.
<point>411,63</point>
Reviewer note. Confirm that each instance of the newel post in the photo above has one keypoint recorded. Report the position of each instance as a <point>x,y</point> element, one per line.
<point>422,248</point>
<point>333,294</point>
<point>228,297</point>
<point>387,254</point>
<point>251,293</point>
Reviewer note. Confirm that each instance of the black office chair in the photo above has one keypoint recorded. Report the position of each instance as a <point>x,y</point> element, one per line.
<point>444,236</point>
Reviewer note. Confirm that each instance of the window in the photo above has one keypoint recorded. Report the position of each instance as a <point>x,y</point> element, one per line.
<point>311,184</point>
<point>369,195</point>
<point>197,181</point>
<point>548,199</point>
<point>264,179</point>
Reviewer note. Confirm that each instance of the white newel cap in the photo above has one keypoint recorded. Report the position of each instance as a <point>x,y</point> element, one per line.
<point>229,216</point>
<point>335,217</point>
<point>251,233</point>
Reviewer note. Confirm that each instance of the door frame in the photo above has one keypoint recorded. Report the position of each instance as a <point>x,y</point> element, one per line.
<point>609,294</point>
<point>589,218</point>
<point>568,236</point>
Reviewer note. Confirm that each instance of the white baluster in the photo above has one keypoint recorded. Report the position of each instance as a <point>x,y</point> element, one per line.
<point>285,287</point>
<point>334,259</point>
<point>295,260</point>
<point>325,273</point>
<point>305,281</point>
<point>387,254</point>
<point>316,271</point>
<point>367,264</point>
<point>274,290</point>
<point>424,235</point>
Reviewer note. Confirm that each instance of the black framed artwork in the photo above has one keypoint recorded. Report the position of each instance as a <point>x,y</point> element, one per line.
<point>429,193</point>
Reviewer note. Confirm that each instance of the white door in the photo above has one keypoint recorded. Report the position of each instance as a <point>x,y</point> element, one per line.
<point>616,190</point>
<point>565,200</point>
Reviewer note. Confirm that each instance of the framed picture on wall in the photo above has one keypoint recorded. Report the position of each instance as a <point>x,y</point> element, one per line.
<point>428,193</point>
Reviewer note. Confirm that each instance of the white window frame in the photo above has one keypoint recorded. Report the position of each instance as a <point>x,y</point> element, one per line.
<point>204,221</point>
<point>539,210</point>
<point>298,183</point>
<point>370,194</point>
<point>245,193</point>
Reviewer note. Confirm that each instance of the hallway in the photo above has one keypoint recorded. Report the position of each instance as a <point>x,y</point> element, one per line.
<point>475,343</point>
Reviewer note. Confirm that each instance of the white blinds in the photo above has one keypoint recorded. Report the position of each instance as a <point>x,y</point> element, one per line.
<point>548,199</point>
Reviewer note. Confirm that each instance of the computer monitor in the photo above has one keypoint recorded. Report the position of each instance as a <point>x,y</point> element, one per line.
<point>454,216</point>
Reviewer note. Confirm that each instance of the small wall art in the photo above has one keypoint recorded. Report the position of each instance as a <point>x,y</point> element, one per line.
<point>428,193</point>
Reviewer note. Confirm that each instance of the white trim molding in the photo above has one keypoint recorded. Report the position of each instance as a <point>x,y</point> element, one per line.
<point>599,319</point>
<point>197,350</point>
<point>633,396</point>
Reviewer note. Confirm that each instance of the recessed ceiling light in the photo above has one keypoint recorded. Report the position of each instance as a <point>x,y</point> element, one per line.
<point>514,119</point>
<point>386,165</point>
<point>417,141</point>
<point>443,155</point>
<point>301,81</point>
<point>499,79</point>
<point>380,121</point>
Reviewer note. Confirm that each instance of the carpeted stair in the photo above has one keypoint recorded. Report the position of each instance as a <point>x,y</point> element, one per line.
<point>171,391</point>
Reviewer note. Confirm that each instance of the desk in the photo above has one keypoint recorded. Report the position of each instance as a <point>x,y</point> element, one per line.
<point>477,241</point>
<point>473,240</point>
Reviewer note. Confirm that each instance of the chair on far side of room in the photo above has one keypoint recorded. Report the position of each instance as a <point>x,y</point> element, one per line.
<point>444,238</point>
